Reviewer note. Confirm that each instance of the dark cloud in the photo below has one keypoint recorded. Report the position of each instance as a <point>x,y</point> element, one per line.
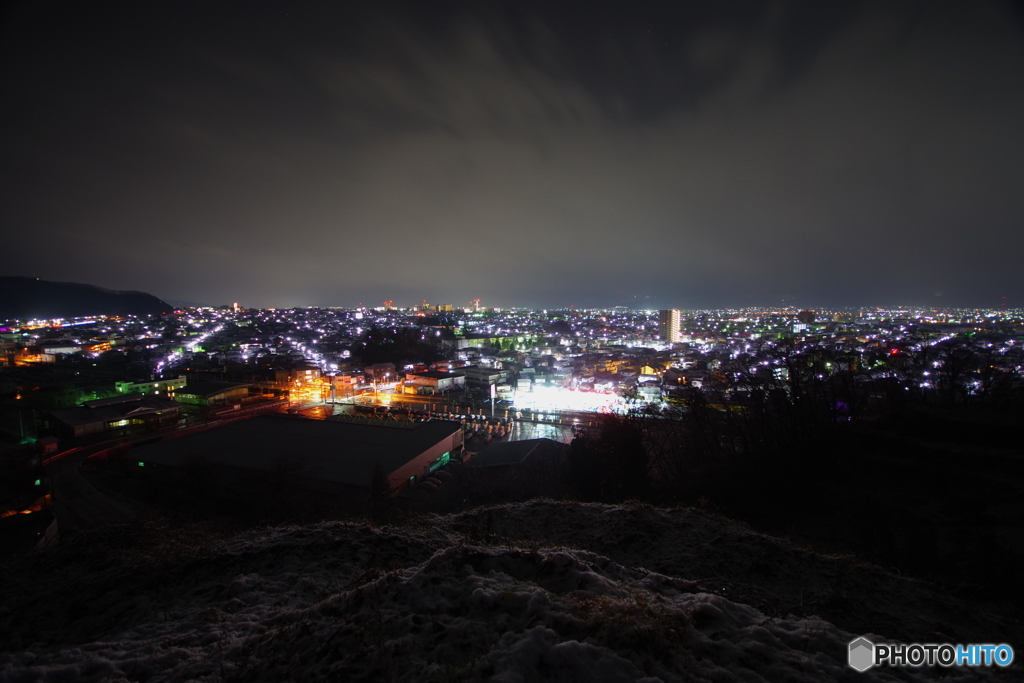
<point>679,154</point>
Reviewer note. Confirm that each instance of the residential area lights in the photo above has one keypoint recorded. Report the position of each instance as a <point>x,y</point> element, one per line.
<point>176,356</point>
<point>551,360</point>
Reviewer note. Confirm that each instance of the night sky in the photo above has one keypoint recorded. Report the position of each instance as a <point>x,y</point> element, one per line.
<point>528,154</point>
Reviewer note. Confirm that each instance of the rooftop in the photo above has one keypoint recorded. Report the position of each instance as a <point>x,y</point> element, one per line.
<point>207,388</point>
<point>433,374</point>
<point>339,452</point>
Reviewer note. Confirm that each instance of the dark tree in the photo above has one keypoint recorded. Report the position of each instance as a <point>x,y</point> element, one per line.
<point>381,491</point>
<point>559,327</point>
<point>380,484</point>
<point>611,465</point>
<point>390,345</point>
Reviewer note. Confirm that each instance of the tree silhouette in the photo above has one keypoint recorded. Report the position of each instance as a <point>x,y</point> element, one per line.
<point>380,489</point>
<point>397,345</point>
<point>611,465</point>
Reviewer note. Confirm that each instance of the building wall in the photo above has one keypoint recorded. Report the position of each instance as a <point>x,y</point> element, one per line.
<point>438,384</point>
<point>484,376</point>
<point>668,325</point>
<point>419,466</point>
<point>232,395</point>
<point>164,385</point>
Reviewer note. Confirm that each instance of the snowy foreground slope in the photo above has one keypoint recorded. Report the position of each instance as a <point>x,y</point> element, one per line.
<point>540,591</point>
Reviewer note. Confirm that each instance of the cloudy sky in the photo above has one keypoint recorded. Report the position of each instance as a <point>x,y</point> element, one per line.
<point>683,154</point>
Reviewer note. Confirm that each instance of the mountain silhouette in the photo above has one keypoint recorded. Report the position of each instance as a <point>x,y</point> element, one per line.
<point>29,297</point>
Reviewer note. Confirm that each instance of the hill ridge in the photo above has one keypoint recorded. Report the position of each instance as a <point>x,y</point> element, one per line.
<point>23,297</point>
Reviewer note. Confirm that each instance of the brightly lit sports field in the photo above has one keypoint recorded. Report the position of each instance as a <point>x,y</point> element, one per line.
<point>554,398</point>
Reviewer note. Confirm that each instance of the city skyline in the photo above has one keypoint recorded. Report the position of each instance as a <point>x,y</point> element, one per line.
<point>530,155</point>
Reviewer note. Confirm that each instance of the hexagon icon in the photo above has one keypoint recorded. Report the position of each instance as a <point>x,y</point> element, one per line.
<point>862,654</point>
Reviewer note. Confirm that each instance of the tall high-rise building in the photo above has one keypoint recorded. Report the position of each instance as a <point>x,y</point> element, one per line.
<point>668,325</point>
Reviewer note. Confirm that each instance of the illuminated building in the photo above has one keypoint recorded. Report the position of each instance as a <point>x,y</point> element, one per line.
<point>435,381</point>
<point>380,372</point>
<point>105,414</point>
<point>155,386</point>
<point>668,325</point>
<point>209,394</point>
<point>483,377</point>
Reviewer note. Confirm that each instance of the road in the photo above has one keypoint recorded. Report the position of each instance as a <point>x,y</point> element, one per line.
<point>521,431</point>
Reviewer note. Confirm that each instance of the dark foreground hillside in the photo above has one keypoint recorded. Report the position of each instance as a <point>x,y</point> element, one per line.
<point>538,591</point>
<point>29,297</point>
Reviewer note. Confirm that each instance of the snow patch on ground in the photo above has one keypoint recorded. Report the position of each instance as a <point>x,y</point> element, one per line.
<point>542,591</point>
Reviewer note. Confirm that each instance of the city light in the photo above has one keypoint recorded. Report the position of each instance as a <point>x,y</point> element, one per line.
<point>554,398</point>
